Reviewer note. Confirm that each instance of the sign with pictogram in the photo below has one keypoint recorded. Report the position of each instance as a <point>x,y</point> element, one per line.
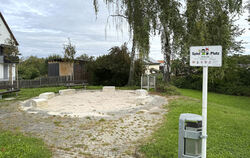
<point>210,56</point>
<point>205,56</point>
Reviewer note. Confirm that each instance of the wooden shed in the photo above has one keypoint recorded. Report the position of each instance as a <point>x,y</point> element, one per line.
<point>76,69</point>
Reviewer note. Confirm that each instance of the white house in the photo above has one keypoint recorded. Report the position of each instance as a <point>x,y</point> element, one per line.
<point>152,66</point>
<point>6,34</point>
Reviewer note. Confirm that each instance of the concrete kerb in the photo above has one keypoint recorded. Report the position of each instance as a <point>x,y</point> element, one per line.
<point>47,95</point>
<point>67,91</point>
<point>141,92</point>
<point>108,89</point>
<point>37,102</point>
<point>42,99</point>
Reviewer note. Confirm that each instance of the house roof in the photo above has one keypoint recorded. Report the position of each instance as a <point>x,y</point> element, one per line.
<point>151,61</point>
<point>64,60</point>
<point>5,23</point>
<point>161,61</point>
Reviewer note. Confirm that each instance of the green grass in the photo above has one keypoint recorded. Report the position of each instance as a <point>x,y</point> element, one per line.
<point>27,93</point>
<point>94,87</point>
<point>228,126</point>
<point>19,146</point>
<point>128,88</point>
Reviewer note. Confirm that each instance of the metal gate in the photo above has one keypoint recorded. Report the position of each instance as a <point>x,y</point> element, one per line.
<point>148,81</point>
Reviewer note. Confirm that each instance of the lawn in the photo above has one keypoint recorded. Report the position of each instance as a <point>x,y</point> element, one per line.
<point>228,126</point>
<point>14,145</point>
<point>27,93</point>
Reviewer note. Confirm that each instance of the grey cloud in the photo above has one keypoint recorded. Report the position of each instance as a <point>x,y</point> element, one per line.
<point>43,26</point>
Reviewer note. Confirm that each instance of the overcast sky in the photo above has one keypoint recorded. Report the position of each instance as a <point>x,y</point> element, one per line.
<point>43,26</point>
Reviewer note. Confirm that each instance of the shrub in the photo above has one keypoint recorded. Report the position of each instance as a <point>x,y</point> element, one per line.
<point>167,88</point>
<point>113,68</point>
<point>233,78</point>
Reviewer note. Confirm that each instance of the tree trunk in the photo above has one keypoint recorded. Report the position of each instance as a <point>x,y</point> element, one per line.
<point>167,55</point>
<point>132,65</point>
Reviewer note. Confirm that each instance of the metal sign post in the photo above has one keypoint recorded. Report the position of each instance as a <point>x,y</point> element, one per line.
<point>205,56</point>
<point>204,112</point>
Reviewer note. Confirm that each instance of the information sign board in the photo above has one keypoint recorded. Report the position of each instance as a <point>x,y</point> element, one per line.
<point>210,56</point>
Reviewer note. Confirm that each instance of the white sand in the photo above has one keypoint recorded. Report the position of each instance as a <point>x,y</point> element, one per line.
<point>97,103</point>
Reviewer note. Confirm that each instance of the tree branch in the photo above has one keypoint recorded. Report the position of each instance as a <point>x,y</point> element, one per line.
<point>119,15</point>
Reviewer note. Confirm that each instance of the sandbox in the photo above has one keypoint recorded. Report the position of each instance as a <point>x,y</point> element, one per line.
<point>86,103</point>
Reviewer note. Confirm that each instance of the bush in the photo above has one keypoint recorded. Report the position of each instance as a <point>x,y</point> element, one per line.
<point>113,68</point>
<point>233,78</point>
<point>32,67</point>
<point>167,88</point>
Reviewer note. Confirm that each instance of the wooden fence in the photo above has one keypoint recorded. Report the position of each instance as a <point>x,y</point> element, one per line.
<point>42,82</point>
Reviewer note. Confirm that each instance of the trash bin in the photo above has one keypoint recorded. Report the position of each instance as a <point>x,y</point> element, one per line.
<point>190,131</point>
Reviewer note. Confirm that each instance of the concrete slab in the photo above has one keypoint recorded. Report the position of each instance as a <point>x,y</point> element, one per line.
<point>67,91</point>
<point>39,102</point>
<point>108,89</point>
<point>8,99</point>
<point>47,95</point>
<point>141,92</point>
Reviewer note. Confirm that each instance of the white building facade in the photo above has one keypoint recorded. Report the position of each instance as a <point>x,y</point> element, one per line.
<point>5,65</point>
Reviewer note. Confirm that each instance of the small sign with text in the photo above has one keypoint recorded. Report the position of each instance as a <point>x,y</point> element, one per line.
<point>210,56</point>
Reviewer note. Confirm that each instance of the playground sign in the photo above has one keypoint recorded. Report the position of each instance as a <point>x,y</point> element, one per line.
<point>205,56</point>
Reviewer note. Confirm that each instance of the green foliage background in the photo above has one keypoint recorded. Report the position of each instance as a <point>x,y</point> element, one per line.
<point>235,80</point>
<point>113,69</point>
<point>109,69</point>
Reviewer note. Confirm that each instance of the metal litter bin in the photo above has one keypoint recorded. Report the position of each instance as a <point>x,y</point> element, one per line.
<point>190,131</point>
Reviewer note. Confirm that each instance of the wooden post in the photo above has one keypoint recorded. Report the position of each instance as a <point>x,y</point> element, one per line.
<point>10,75</point>
<point>154,82</point>
<point>17,80</point>
<point>141,80</point>
<point>148,82</point>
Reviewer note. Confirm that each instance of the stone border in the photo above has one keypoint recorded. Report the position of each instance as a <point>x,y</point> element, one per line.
<point>108,89</point>
<point>42,99</point>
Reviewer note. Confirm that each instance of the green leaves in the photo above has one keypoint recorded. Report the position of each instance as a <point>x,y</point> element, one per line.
<point>69,50</point>
<point>204,22</point>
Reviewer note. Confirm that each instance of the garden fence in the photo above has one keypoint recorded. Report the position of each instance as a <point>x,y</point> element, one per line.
<point>41,82</point>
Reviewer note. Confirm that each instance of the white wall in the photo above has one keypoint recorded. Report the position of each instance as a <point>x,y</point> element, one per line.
<point>14,72</point>
<point>148,67</point>
<point>1,72</point>
<point>4,33</point>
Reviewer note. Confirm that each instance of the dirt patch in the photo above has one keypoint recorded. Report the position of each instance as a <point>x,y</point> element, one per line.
<point>117,135</point>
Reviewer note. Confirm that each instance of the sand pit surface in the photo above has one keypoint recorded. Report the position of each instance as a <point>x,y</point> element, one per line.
<point>94,103</point>
<point>84,104</point>
<point>106,124</point>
